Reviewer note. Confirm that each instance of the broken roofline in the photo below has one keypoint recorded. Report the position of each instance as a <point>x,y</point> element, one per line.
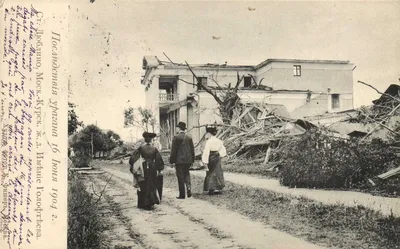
<point>208,65</point>
<point>289,91</point>
<point>168,64</point>
<point>268,61</point>
<point>332,114</point>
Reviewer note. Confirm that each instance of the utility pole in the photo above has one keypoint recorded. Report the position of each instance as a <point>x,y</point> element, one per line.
<point>91,144</point>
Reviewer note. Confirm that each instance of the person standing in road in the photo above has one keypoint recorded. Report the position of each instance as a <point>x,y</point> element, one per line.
<point>213,151</point>
<point>149,169</point>
<point>182,155</point>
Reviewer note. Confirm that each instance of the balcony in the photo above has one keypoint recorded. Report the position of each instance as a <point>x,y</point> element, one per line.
<point>168,97</point>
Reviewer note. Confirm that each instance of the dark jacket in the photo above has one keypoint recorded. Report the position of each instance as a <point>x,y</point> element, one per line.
<point>182,149</point>
<point>150,154</point>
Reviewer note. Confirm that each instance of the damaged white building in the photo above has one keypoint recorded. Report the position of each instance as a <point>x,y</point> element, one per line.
<point>298,88</point>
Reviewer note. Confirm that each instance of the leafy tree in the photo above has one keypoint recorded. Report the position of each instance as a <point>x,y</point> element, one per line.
<point>92,135</point>
<point>73,121</point>
<point>142,118</point>
<point>111,141</point>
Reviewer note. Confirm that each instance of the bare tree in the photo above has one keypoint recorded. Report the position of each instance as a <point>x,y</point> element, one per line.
<point>227,98</point>
<point>141,118</point>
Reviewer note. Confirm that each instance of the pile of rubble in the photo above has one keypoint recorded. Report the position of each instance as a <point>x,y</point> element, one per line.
<point>380,120</point>
<point>383,108</point>
<point>258,132</point>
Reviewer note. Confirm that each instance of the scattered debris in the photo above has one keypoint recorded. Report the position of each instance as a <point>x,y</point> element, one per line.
<point>81,169</point>
<point>93,172</point>
<point>390,173</point>
<point>164,231</point>
<point>357,134</point>
<point>371,182</point>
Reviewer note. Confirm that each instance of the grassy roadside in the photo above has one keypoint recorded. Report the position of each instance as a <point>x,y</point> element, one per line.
<point>245,167</point>
<point>386,188</point>
<point>84,224</point>
<point>334,226</point>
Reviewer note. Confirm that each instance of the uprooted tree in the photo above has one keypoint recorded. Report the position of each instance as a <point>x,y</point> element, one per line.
<point>226,97</point>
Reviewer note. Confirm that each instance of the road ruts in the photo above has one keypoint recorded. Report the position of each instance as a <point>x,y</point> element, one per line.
<point>189,223</point>
<point>164,227</point>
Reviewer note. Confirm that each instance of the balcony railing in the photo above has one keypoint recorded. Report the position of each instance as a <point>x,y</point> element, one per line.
<point>168,97</point>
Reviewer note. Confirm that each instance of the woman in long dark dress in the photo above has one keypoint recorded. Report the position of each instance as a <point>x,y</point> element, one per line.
<point>213,151</point>
<point>147,175</point>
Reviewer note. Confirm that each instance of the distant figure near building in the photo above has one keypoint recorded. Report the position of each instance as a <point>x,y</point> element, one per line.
<point>213,151</point>
<point>147,168</point>
<point>182,155</point>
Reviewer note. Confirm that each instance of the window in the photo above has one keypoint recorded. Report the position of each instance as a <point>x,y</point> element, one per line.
<point>202,81</point>
<point>296,70</point>
<point>247,81</point>
<point>335,101</point>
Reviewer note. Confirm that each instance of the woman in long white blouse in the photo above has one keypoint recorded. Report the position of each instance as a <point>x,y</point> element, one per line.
<point>214,150</point>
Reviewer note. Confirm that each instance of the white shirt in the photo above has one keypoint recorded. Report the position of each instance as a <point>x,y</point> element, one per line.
<point>213,144</point>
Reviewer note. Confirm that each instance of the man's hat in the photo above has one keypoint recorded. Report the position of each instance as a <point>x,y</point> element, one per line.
<point>149,135</point>
<point>182,125</point>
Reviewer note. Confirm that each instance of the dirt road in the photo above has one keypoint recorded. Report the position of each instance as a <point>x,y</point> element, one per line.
<point>189,223</point>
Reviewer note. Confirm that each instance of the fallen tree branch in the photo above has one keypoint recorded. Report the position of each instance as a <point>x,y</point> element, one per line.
<point>388,95</point>
<point>99,196</point>
<point>187,82</point>
<point>385,126</point>
<point>201,140</point>
<point>225,125</point>
<point>169,58</point>
<point>101,193</point>
<point>256,143</point>
<point>380,123</point>
<point>206,88</point>
<point>120,156</point>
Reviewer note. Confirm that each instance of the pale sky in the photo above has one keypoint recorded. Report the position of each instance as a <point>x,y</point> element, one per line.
<point>120,34</point>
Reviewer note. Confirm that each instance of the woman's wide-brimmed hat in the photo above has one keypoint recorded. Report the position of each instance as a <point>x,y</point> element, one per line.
<point>211,128</point>
<point>181,125</point>
<point>149,135</point>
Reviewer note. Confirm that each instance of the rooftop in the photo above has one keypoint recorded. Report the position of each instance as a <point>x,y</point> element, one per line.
<point>153,61</point>
<point>268,61</point>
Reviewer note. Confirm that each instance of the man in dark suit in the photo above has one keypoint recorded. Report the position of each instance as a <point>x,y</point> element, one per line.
<point>182,155</point>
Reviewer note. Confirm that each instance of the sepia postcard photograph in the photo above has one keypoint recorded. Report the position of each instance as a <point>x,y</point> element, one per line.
<point>200,124</point>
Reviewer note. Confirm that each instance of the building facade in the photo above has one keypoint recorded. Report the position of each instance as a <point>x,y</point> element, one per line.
<point>304,87</point>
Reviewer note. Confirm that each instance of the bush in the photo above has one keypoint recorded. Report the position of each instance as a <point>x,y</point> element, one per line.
<point>118,151</point>
<point>84,226</point>
<point>321,161</point>
<point>81,159</point>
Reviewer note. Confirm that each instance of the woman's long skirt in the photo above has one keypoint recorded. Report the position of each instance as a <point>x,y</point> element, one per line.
<point>215,176</point>
<point>147,195</point>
